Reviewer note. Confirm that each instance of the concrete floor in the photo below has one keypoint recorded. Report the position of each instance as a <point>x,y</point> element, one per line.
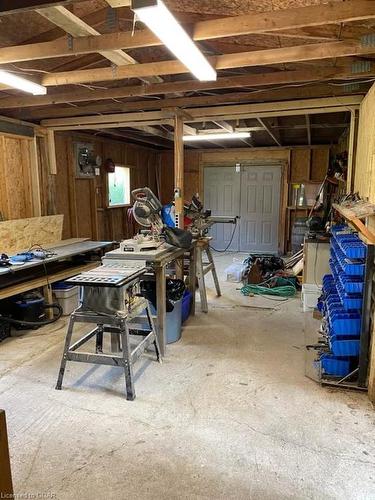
<point>229,414</point>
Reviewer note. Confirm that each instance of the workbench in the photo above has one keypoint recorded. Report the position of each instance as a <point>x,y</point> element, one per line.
<point>71,257</point>
<point>159,260</point>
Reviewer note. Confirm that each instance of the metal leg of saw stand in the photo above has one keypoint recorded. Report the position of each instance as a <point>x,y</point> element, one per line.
<point>120,329</point>
<point>203,269</point>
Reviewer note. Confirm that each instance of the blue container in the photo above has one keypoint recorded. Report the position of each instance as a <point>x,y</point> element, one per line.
<point>345,347</point>
<point>345,324</point>
<point>173,326</point>
<point>336,367</point>
<point>186,305</point>
<point>62,285</point>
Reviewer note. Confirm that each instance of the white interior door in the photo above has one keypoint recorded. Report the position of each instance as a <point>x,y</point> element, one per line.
<point>260,209</point>
<point>222,197</point>
<point>253,193</point>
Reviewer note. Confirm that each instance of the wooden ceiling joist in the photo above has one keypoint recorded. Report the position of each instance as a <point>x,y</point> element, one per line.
<point>311,52</point>
<point>269,131</point>
<point>253,80</point>
<point>254,23</point>
<point>216,113</point>
<point>73,25</point>
<point>16,6</point>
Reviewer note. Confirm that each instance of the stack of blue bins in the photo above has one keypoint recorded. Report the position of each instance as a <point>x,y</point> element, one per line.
<point>342,301</point>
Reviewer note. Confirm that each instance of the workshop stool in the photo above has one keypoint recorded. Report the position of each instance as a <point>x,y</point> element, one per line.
<point>203,268</point>
<point>120,328</point>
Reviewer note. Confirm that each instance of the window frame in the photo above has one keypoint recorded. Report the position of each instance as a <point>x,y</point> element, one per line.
<point>122,205</point>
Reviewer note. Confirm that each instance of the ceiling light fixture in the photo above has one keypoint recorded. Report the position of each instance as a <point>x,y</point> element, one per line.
<point>219,136</point>
<point>155,15</point>
<point>20,83</point>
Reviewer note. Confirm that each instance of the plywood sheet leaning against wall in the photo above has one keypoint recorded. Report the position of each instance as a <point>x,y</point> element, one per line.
<point>20,234</point>
<point>364,183</point>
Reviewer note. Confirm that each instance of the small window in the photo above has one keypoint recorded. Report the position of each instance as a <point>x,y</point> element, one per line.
<point>119,187</point>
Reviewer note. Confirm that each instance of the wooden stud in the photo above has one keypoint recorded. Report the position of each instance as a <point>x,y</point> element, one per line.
<point>51,152</point>
<point>6,484</point>
<point>35,179</point>
<point>179,168</point>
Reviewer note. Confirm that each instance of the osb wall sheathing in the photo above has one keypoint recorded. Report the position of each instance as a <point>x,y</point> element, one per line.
<point>364,183</point>
<point>364,180</point>
<point>21,234</point>
<point>18,182</point>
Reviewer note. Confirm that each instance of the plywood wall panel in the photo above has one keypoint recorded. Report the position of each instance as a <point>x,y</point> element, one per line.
<point>364,181</point>
<point>319,164</point>
<point>17,191</point>
<point>300,165</point>
<point>20,234</point>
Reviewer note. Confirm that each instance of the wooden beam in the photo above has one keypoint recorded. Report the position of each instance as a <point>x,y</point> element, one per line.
<point>269,131</point>
<point>70,23</point>
<point>253,80</point>
<point>119,3</point>
<point>19,6</point>
<point>133,137</point>
<point>155,131</point>
<point>224,125</point>
<point>334,12</point>
<point>311,52</point>
<point>214,112</point>
<point>308,129</point>
<point>179,169</point>
<point>353,142</point>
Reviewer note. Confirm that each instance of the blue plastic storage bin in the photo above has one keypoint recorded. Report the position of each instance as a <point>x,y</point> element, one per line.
<point>186,305</point>
<point>336,367</point>
<point>342,347</point>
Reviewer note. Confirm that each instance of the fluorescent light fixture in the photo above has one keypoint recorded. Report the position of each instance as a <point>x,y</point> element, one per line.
<point>155,15</point>
<point>20,83</point>
<point>219,136</point>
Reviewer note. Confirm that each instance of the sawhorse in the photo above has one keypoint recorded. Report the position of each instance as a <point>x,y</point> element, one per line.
<point>203,247</point>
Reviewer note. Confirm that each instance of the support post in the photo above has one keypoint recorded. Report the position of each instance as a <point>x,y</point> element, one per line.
<point>6,486</point>
<point>179,169</point>
<point>353,138</point>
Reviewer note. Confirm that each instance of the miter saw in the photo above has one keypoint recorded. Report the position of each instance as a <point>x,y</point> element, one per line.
<point>197,220</point>
<point>147,213</point>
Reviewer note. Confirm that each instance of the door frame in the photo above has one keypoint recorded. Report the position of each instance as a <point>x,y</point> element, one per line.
<point>285,166</point>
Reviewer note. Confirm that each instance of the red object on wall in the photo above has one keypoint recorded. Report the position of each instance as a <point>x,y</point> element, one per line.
<point>109,165</point>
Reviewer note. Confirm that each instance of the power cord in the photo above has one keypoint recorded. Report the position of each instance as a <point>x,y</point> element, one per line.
<point>230,242</point>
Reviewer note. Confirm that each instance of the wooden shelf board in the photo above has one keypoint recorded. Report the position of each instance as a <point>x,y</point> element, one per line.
<point>44,281</point>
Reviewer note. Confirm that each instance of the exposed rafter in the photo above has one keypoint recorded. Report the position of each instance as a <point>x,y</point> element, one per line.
<point>352,10</point>
<point>269,131</point>
<point>311,52</point>
<point>73,25</point>
<point>17,6</point>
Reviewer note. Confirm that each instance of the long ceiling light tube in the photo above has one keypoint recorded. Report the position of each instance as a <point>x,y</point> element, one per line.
<point>155,15</point>
<point>218,136</point>
<point>20,83</point>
